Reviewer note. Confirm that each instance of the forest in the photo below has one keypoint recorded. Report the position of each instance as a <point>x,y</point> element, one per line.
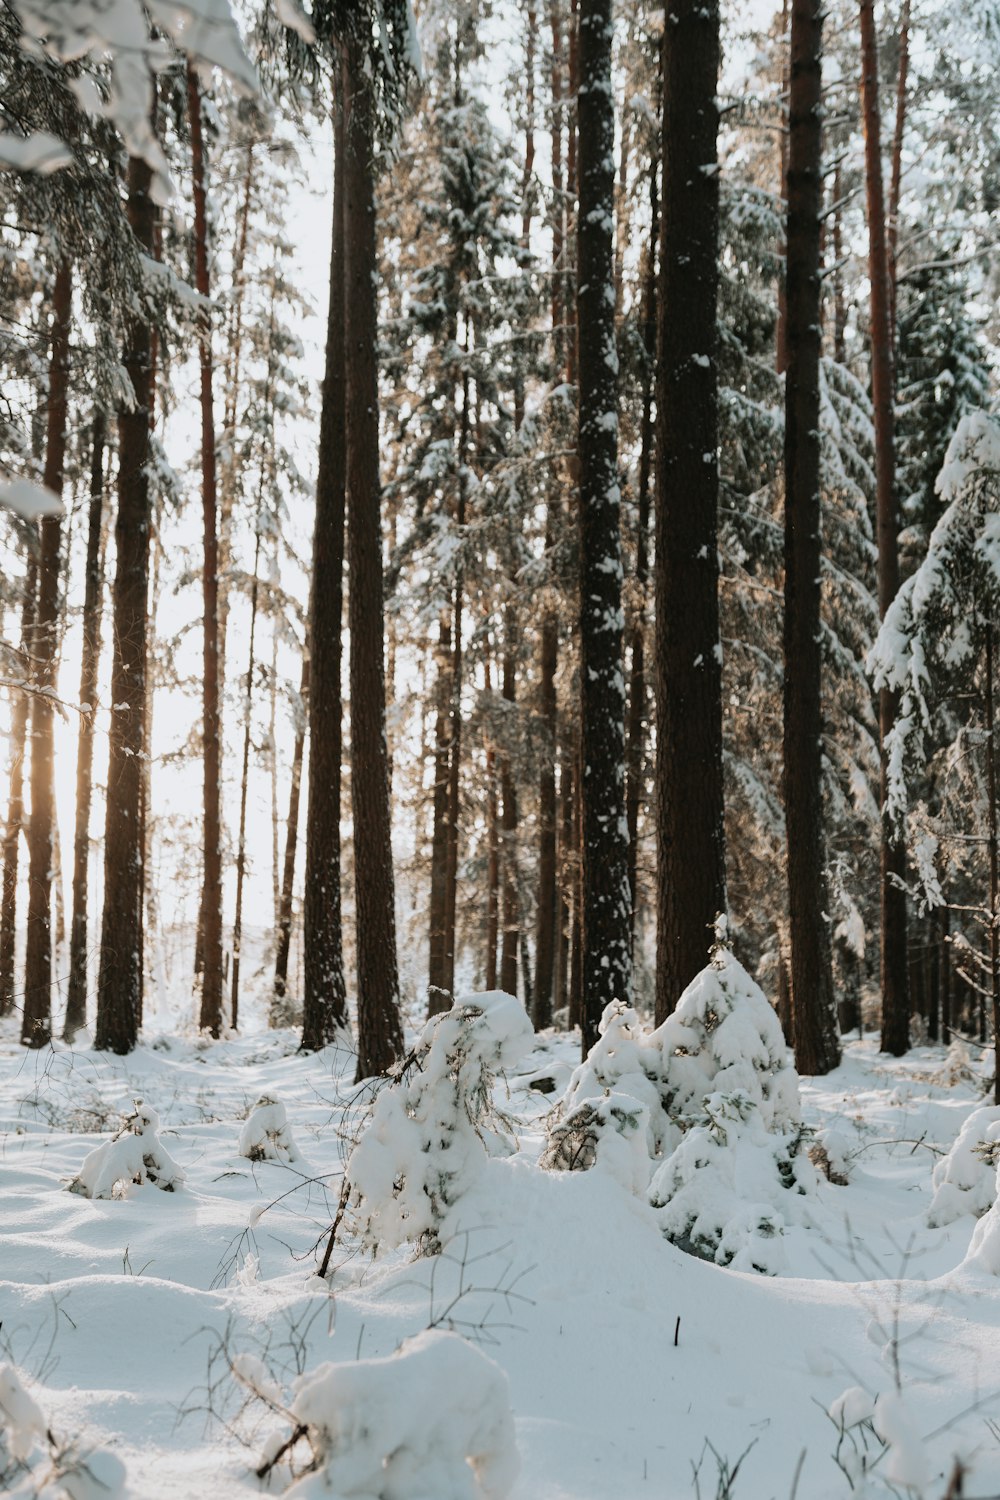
<point>499,569</point>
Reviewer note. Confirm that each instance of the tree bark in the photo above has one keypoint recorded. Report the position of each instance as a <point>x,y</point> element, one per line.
<point>20,719</point>
<point>76,1002</point>
<point>510,940</point>
<point>813,1018</point>
<point>210,1017</point>
<point>991,784</point>
<point>278,1017</point>
<point>325,993</point>
<point>438,996</point>
<point>691,839</point>
<point>896,171</point>
<point>119,989</point>
<point>241,838</point>
<point>36,1021</point>
<point>895,999</point>
<point>607,943</point>
<point>380,1035</point>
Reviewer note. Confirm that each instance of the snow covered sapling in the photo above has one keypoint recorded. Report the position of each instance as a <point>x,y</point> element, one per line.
<point>266,1134</point>
<point>612,1130</point>
<point>34,1462</point>
<point>136,1155</point>
<point>430,1422</point>
<point>965,1180</point>
<point>432,1128</point>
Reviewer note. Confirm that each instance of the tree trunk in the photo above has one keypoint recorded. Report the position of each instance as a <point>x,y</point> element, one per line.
<point>36,1022</point>
<point>325,994</point>
<point>839,307</point>
<point>896,172</point>
<point>895,1000</point>
<point>119,989</point>
<point>380,1035</point>
<point>635,753</point>
<point>15,805</point>
<point>438,995</point>
<point>455,707</point>
<point>566,856</point>
<point>76,1002</point>
<point>781,337</point>
<point>991,783</point>
<point>210,1018</point>
<point>691,839</point>
<point>241,839</point>
<point>278,1006</point>
<point>508,799</point>
<point>607,943</point>
<point>813,1018</point>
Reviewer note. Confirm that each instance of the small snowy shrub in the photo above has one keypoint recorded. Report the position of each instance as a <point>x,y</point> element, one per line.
<point>880,1447</point>
<point>136,1155</point>
<point>957,1066</point>
<point>432,1128</point>
<point>720,1195</point>
<point>964,1181</point>
<point>33,1462</point>
<point>609,1132</point>
<point>830,1153</point>
<point>266,1134</point>
<point>984,1250</point>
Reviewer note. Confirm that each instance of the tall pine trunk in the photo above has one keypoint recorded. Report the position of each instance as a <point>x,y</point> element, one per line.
<point>511,919</point>
<point>76,1002</point>
<point>119,989</point>
<point>895,999</point>
<point>691,873</point>
<point>437,972</point>
<point>607,943</point>
<point>241,837</point>
<point>36,1021</point>
<point>380,1034</point>
<point>325,992</point>
<point>896,170</point>
<point>813,1020</point>
<point>211,912</point>
<point>278,1006</point>
<point>20,719</point>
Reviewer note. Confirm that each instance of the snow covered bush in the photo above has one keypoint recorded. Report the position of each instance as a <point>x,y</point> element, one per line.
<point>266,1134</point>
<point>964,1181</point>
<point>432,1128</point>
<point>430,1422</point>
<point>984,1249</point>
<point>720,1103</point>
<point>720,1195</point>
<point>136,1155</point>
<point>880,1443</point>
<point>33,1462</point>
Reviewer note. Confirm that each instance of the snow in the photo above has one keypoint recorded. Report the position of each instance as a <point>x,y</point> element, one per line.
<point>553,1306</point>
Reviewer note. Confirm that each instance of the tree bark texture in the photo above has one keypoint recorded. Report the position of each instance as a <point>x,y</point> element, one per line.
<point>76,1002</point>
<point>119,989</point>
<point>36,1020</point>
<point>511,917</point>
<point>895,999</point>
<point>691,874</point>
<point>380,1036</point>
<point>211,984</point>
<point>241,837</point>
<point>607,943</point>
<point>813,1018</point>
<point>278,1009</point>
<point>20,719</point>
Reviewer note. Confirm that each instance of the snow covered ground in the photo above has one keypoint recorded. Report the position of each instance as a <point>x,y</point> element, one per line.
<point>634,1369</point>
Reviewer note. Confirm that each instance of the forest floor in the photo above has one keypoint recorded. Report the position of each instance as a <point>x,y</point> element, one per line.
<point>635,1370</point>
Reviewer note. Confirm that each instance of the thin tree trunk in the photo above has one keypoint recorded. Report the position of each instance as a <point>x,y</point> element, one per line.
<point>839,308</point>
<point>784,127</point>
<point>278,1006</point>
<point>438,994</point>
<point>76,1002</point>
<point>455,731</point>
<point>566,856</point>
<point>20,719</point>
<point>991,765</point>
<point>895,1000</point>
<point>36,1022</point>
<point>241,842</point>
<point>492,870</point>
<point>508,799</point>
<point>635,752</point>
<point>210,1017</point>
<point>607,943</point>
<point>692,890</point>
<point>944,971</point>
<point>380,1034</point>
<point>119,989</point>
<point>325,994</point>
<point>896,171</point>
<point>813,1018</point>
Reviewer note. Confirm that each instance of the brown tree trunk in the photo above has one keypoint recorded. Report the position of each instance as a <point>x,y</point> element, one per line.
<point>508,798</point>
<point>784,127</point>
<point>119,988</point>
<point>691,840</point>
<point>607,942</point>
<point>991,784</point>
<point>20,718</point>
<point>76,1003</point>
<point>492,848</point>
<point>839,307</point>
<point>241,839</point>
<point>438,995</point>
<point>455,731</point>
<point>210,1018</point>
<point>325,994</point>
<point>813,1018</point>
<point>380,1034</point>
<point>566,857</point>
<point>896,172</point>
<point>278,1017</point>
<point>36,1022</point>
<point>895,1000</point>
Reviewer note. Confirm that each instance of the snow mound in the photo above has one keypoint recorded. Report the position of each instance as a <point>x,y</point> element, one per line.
<point>266,1134</point>
<point>135,1156</point>
<point>727,1191</point>
<point>431,1129</point>
<point>964,1181</point>
<point>430,1422</point>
